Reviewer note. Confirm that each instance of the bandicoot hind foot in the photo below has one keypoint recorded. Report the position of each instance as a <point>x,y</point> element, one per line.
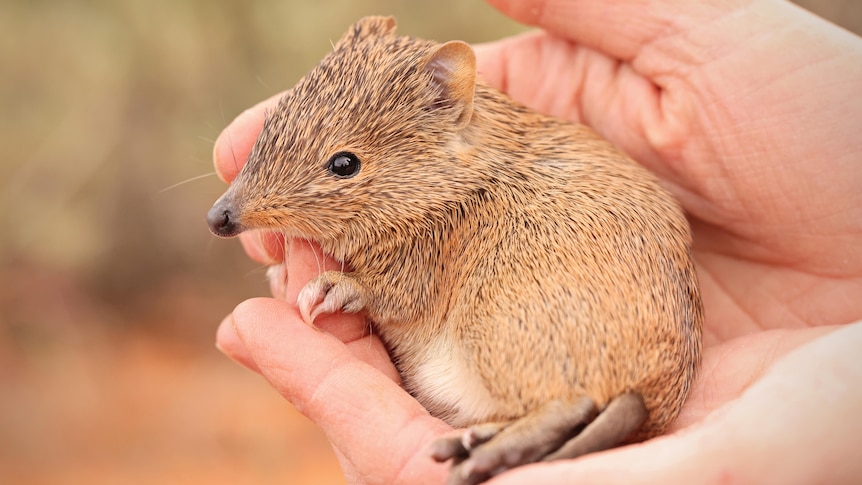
<point>555,431</point>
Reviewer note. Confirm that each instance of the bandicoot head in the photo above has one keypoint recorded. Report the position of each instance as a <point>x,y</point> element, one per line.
<point>357,145</point>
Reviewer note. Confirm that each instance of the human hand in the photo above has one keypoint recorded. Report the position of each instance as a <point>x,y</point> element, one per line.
<point>685,93</point>
<point>341,378</point>
<point>794,415</point>
<point>747,110</point>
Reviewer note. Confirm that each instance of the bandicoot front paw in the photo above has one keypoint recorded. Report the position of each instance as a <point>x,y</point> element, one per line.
<point>330,292</point>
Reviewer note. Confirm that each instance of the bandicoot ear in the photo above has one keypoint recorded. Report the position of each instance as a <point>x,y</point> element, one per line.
<point>453,67</point>
<point>366,27</point>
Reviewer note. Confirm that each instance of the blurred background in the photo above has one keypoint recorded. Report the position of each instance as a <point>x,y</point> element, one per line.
<point>111,286</point>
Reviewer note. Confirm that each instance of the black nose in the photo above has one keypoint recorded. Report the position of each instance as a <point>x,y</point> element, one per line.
<point>221,221</point>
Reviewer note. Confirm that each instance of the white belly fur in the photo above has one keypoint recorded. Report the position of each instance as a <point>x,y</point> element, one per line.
<point>447,386</point>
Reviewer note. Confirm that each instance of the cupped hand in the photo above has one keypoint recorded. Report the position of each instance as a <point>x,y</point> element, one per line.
<point>340,376</point>
<point>773,408</point>
<point>747,111</point>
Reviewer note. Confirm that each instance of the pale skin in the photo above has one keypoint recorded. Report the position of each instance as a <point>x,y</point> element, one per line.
<point>749,112</point>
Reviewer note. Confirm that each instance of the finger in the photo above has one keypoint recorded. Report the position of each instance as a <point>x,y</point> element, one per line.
<point>265,247</point>
<point>277,276</point>
<point>620,29</point>
<point>351,474</point>
<point>511,64</point>
<point>583,85</point>
<point>229,343</point>
<point>307,261</point>
<point>626,76</point>
<point>381,431</point>
<point>234,143</point>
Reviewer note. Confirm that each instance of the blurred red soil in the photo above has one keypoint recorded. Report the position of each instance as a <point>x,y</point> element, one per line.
<point>85,402</point>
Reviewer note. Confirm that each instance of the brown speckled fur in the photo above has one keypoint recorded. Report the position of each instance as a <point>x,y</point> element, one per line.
<point>556,265</point>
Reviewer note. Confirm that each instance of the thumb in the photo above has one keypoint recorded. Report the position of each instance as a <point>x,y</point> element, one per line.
<point>620,29</point>
<point>380,430</point>
<point>234,143</point>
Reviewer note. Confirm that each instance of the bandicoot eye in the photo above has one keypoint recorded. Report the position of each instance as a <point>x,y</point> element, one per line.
<point>344,165</point>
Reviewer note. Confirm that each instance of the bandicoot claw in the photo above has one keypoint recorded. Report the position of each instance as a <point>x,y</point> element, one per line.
<point>309,300</point>
<point>328,293</point>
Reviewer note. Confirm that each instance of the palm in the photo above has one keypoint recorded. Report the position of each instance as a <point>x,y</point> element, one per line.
<point>747,207</point>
